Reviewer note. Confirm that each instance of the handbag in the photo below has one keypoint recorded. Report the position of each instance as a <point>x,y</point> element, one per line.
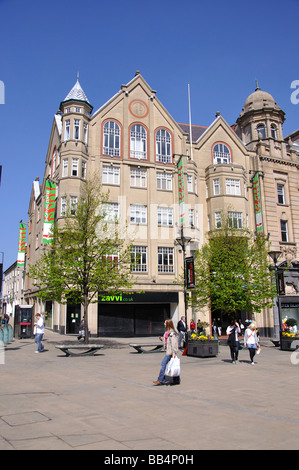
<point>173,367</point>
<point>258,349</point>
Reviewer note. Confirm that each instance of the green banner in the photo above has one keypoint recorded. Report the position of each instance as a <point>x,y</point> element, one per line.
<point>257,203</point>
<point>181,191</point>
<point>49,212</point>
<point>21,246</point>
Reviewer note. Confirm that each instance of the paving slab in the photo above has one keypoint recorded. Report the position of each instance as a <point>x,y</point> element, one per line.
<point>108,401</point>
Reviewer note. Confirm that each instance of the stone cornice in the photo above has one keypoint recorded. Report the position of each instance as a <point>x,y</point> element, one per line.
<point>279,161</point>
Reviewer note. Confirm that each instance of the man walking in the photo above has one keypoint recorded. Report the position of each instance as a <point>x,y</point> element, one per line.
<point>182,329</point>
<point>39,332</point>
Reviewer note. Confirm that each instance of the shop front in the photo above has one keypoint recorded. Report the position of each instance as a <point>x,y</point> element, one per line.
<point>135,314</point>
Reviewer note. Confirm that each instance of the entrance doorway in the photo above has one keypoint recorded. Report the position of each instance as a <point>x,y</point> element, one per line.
<point>223,319</point>
<point>48,313</point>
<point>73,318</point>
<point>129,320</point>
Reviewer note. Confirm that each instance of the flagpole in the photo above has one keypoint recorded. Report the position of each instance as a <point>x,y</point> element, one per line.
<point>190,127</point>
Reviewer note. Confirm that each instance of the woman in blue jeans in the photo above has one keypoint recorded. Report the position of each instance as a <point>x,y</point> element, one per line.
<point>251,341</point>
<point>170,340</point>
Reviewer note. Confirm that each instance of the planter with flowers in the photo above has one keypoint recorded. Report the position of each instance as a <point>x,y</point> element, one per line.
<point>202,345</point>
<point>289,334</point>
<point>287,339</point>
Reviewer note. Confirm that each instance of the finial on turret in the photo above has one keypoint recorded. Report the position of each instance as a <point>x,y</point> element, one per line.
<point>257,85</point>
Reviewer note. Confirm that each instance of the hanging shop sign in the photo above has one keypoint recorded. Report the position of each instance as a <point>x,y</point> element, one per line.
<point>257,203</point>
<point>181,191</point>
<point>190,272</point>
<point>49,211</point>
<point>21,246</point>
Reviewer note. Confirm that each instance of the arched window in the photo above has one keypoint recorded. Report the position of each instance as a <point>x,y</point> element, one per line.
<point>221,153</point>
<point>261,130</point>
<point>111,139</point>
<point>138,142</point>
<point>163,146</point>
<point>273,131</point>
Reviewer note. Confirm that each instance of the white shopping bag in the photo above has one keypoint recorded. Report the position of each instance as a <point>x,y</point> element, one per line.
<point>173,368</point>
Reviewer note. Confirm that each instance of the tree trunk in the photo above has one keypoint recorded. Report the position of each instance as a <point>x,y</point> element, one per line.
<point>85,308</point>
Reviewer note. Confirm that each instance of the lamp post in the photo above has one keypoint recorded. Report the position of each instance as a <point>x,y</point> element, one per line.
<point>183,242</point>
<point>274,255</point>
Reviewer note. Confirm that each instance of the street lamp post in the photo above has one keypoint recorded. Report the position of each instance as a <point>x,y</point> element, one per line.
<point>274,255</point>
<point>183,242</point>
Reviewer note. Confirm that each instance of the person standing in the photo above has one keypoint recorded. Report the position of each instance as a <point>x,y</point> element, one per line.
<point>81,329</point>
<point>233,331</point>
<point>170,341</point>
<point>215,327</point>
<point>251,341</point>
<point>219,327</point>
<point>182,329</point>
<point>39,332</point>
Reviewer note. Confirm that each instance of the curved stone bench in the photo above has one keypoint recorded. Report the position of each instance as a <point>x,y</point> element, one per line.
<point>84,349</point>
<point>156,347</point>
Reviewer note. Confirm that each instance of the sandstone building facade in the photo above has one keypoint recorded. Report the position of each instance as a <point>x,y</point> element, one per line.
<point>248,169</point>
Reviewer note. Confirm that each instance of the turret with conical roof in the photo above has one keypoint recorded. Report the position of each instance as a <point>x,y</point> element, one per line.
<point>76,94</point>
<point>76,110</point>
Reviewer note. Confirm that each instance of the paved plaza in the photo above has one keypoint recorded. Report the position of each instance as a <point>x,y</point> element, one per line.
<point>108,401</point>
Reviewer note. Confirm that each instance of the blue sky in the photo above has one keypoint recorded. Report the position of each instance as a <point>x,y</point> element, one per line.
<point>219,47</point>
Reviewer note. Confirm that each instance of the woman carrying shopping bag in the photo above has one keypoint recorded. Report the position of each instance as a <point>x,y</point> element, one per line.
<point>251,341</point>
<point>170,340</point>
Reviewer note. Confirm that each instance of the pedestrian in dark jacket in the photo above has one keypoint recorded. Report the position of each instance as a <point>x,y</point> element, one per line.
<point>182,329</point>
<point>233,332</point>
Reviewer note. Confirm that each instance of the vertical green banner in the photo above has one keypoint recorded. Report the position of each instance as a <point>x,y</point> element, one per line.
<point>257,203</point>
<point>181,191</point>
<point>49,212</point>
<point>21,246</point>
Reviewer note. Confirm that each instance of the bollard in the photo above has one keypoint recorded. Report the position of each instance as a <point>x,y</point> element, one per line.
<point>2,352</point>
<point>10,333</point>
<point>5,334</point>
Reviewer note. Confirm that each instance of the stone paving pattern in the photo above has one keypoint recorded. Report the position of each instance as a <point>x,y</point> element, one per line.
<point>108,401</point>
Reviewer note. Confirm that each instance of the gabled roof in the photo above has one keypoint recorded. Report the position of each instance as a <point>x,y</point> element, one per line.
<point>58,121</point>
<point>137,80</point>
<point>220,121</point>
<point>197,131</point>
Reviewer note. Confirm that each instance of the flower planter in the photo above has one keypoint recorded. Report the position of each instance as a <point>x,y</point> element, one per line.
<point>208,348</point>
<point>288,343</point>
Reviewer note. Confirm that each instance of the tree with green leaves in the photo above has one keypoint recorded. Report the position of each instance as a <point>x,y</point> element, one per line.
<point>88,254</point>
<point>232,272</point>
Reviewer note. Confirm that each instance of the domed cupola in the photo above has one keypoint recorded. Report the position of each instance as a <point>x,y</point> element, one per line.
<point>261,118</point>
<point>258,100</point>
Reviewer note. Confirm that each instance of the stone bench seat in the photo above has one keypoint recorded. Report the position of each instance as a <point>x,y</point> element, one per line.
<point>84,349</point>
<point>140,347</point>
